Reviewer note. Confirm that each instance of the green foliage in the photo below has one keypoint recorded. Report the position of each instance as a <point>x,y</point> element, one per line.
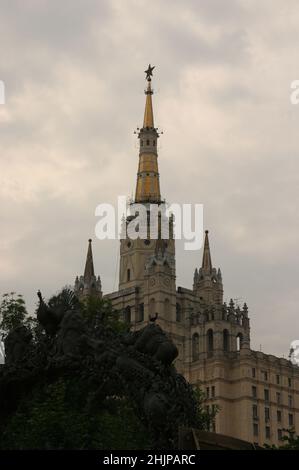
<point>291,440</point>
<point>64,301</point>
<point>100,312</point>
<point>204,417</point>
<point>12,312</point>
<point>58,417</point>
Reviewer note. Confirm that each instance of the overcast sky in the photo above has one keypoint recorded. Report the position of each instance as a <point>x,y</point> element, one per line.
<point>73,72</point>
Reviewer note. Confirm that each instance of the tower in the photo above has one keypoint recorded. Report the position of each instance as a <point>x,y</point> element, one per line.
<point>207,284</point>
<point>148,263</point>
<point>213,338</point>
<point>88,284</point>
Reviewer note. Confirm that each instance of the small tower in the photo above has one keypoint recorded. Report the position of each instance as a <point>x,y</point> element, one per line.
<point>207,283</point>
<point>88,285</point>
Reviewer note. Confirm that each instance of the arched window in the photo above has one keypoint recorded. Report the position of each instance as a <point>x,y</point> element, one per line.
<point>239,341</point>
<point>195,347</point>
<point>210,342</point>
<point>167,307</point>
<point>127,315</point>
<point>128,275</point>
<point>178,313</point>
<point>152,307</point>
<point>225,340</point>
<point>141,312</point>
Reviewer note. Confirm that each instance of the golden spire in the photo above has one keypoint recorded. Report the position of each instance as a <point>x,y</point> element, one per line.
<point>148,120</point>
<point>148,185</point>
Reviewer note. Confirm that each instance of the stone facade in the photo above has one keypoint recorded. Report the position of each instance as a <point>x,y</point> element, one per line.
<point>258,394</point>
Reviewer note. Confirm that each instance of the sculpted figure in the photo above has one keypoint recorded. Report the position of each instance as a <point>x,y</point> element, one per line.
<point>16,344</point>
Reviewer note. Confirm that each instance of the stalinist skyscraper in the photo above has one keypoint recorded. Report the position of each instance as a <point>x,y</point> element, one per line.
<point>258,394</point>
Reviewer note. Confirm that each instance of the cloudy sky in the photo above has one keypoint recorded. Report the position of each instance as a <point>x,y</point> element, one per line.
<point>74,80</point>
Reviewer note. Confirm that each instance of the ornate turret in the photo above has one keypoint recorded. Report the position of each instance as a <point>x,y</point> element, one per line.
<point>88,284</point>
<point>207,280</point>
<point>148,185</point>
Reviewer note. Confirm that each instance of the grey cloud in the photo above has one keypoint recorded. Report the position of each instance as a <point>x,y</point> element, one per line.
<point>74,79</point>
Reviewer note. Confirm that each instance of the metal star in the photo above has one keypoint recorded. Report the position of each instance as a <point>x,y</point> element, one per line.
<point>149,72</point>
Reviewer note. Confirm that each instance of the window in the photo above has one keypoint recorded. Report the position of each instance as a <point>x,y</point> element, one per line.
<point>253,372</point>
<point>225,340</point>
<point>278,398</point>
<point>147,142</point>
<point>128,275</point>
<point>278,416</point>
<point>127,315</point>
<point>208,392</point>
<point>267,432</point>
<point>154,142</point>
<point>254,412</point>
<point>167,307</point>
<point>213,391</point>
<point>195,347</point>
<point>239,341</point>
<point>267,414</point>
<point>290,401</point>
<point>152,307</point>
<point>291,420</point>
<point>210,342</point>
<point>178,313</point>
<point>141,312</point>
<point>279,434</point>
<point>255,429</point>
<point>289,382</point>
<point>265,375</point>
<point>278,379</point>
<point>254,392</point>
<point>141,142</point>
<point>266,394</point>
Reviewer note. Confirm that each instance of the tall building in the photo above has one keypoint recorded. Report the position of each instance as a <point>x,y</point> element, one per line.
<point>257,394</point>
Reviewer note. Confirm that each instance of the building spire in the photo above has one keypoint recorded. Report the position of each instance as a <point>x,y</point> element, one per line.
<point>206,258</point>
<point>89,268</point>
<point>148,121</point>
<point>148,185</point>
<point>88,284</point>
<point>207,283</point>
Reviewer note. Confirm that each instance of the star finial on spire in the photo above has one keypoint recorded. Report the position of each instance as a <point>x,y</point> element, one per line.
<point>149,72</point>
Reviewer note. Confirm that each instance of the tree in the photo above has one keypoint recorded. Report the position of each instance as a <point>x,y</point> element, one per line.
<point>83,384</point>
<point>204,417</point>
<point>291,440</point>
<point>12,312</point>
